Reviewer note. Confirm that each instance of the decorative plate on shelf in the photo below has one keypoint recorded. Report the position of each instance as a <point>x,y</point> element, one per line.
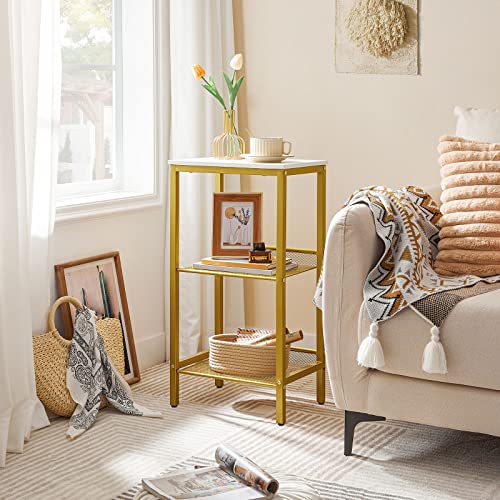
<point>266,159</point>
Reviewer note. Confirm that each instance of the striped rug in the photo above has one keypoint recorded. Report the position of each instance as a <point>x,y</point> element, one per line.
<point>394,460</point>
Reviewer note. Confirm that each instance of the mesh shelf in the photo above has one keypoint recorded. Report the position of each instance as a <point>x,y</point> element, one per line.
<point>300,365</point>
<point>302,258</point>
<point>306,261</point>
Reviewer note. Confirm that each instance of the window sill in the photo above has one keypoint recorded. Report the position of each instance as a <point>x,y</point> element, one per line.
<point>104,204</point>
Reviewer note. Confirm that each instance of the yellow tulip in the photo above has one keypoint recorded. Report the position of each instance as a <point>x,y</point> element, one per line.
<point>198,71</point>
<point>236,62</point>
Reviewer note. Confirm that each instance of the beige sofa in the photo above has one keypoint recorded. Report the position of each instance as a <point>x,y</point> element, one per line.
<point>466,398</point>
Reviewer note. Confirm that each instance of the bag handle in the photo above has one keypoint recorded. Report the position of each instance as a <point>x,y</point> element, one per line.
<point>57,303</point>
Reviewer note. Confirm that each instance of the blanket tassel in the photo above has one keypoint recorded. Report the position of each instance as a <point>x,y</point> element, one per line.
<point>370,353</point>
<point>434,359</point>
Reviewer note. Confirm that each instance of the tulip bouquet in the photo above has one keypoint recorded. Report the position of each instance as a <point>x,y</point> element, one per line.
<point>233,85</point>
<point>229,144</point>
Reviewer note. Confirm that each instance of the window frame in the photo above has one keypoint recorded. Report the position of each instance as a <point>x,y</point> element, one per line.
<point>97,198</point>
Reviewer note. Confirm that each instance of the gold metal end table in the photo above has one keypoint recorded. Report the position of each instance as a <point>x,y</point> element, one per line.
<point>303,361</point>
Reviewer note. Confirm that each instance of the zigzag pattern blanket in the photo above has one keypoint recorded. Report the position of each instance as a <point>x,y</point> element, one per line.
<point>406,220</point>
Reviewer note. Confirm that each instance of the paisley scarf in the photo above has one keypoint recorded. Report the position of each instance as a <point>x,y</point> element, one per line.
<point>90,375</point>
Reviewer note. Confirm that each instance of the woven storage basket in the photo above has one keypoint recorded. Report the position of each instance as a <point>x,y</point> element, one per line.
<point>227,356</point>
<point>50,351</point>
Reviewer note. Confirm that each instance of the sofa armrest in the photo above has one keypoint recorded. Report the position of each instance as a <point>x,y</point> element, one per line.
<point>352,250</point>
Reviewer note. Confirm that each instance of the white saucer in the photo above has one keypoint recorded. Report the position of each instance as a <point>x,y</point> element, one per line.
<point>266,159</point>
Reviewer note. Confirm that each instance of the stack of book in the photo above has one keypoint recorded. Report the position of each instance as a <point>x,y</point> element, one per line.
<point>241,265</point>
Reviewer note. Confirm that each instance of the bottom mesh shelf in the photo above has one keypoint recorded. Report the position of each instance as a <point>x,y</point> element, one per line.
<point>300,365</point>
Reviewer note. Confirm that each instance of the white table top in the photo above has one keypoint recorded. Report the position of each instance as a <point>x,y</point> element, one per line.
<point>213,162</point>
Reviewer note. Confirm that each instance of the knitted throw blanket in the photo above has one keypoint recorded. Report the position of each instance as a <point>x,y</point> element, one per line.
<point>406,220</point>
<point>91,375</point>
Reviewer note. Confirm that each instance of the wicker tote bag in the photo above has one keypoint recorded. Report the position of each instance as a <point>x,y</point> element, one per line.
<point>51,350</point>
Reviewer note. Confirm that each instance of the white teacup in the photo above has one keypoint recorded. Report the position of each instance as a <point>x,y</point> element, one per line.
<point>269,146</point>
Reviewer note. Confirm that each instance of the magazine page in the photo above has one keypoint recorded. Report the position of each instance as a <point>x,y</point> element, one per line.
<point>211,483</point>
<point>240,466</point>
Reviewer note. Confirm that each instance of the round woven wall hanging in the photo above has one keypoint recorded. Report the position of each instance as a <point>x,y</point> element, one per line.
<point>378,27</point>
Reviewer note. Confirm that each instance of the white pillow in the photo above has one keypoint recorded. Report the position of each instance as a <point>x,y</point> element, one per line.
<point>478,124</point>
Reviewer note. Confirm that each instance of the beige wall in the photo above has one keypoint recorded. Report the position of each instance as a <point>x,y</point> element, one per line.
<point>139,236</point>
<point>372,129</point>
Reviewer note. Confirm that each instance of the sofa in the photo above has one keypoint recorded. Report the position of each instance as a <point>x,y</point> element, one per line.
<point>466,398</point>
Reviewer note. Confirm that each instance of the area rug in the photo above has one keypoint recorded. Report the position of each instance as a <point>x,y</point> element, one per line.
<point>393,460</point>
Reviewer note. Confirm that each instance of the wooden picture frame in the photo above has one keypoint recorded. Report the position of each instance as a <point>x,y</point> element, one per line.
<point>237,220</point>
<point>85,279</point>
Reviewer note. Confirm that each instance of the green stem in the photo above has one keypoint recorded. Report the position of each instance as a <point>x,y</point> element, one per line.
<point>225,109</point>
<point>232,82</point>
<point>215,93</point>
<point>229,116</point>
<point>208,83</point>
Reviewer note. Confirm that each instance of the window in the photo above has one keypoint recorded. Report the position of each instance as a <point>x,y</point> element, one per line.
<point>107,122</point>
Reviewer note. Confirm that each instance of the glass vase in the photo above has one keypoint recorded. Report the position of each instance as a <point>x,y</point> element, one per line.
<point>229,145</point>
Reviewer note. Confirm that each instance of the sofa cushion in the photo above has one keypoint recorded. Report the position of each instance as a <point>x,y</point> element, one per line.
<point>470,337</point>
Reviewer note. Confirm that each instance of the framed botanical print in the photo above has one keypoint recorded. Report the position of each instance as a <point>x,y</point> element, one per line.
<point>236,224</point>
<point>97,282</point>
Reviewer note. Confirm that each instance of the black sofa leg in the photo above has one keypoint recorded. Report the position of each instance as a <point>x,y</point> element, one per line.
<point>351,420</point>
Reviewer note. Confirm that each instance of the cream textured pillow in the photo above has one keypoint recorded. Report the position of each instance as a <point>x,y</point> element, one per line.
<point>470,225</point>
<point>478,124</point>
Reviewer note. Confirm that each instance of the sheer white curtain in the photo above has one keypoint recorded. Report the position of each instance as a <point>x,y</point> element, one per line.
<point>29,100</point>
<point>201,31</point>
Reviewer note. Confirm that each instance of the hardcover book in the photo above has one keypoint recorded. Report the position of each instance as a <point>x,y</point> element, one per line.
<point>211,261</point>
<point>240,269</point>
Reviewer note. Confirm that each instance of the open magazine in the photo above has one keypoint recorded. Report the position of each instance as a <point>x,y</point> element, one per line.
<point>235,477</point>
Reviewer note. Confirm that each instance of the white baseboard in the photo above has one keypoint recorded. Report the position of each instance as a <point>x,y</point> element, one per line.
<point>151,350</point>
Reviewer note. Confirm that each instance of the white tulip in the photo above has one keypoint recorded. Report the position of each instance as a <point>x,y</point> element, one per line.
<point>236,62</point>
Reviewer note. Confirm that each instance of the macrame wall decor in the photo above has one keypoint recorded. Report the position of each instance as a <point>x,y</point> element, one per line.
<point>377,36</point>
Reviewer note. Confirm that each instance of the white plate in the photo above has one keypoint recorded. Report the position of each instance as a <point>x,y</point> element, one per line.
<point>266,159</point>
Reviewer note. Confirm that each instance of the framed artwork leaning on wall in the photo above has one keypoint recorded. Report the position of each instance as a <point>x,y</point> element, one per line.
<point>97,282</point>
